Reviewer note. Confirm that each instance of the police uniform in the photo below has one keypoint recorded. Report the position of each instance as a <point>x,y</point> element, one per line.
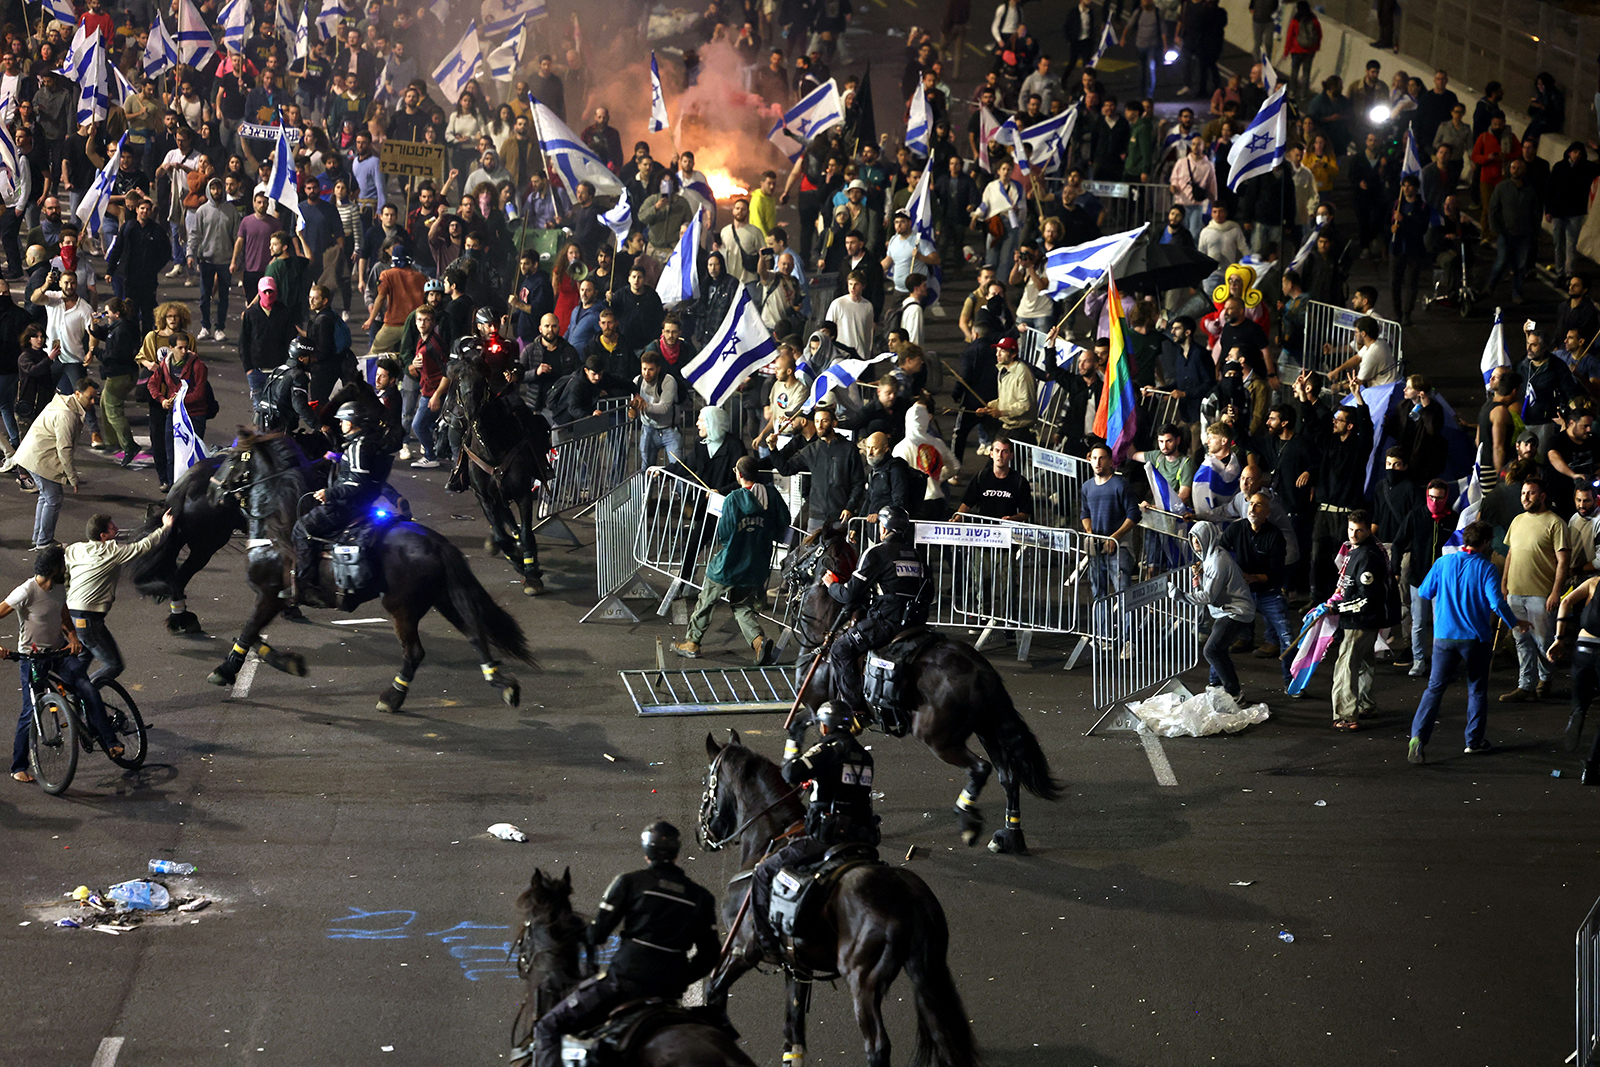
<point>663,914</point>
<point>285,403</point>
<point>895,577</point>
<point>356,480</point>
<point>839,812</point>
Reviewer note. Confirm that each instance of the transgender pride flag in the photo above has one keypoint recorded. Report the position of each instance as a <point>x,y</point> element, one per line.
<point>1114,422</point>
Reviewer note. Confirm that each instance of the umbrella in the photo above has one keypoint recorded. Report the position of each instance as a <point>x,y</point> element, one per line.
<point>1155,267</point>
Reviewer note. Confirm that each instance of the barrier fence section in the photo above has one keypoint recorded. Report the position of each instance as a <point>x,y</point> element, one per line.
<point>1588,960</point>
<point>616,572</point>
<point>1328,324</point>
<point>1127,204</point>
<point>1057,483</point>
<point>592,457</point>
<point>1143,636</point>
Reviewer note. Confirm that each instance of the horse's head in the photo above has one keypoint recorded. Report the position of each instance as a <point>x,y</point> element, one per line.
<point>719,806</point>
<point>469,374</point>
<point>547,900</point>
<point>232,475</point>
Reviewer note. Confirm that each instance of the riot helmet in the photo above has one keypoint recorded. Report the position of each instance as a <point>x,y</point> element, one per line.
<point>893,523</point>
<point>831,716</point>
<point>661,842</point>
<point>299,349</point>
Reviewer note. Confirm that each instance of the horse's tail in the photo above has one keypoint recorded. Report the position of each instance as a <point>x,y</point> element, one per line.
<point>944,1036</point>
<point>479,614</point>
<point>1012,746</point>
<point>152,573</point>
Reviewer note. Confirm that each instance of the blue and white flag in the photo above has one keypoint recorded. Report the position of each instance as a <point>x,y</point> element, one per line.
<point>1039,146</point>
<point>504,60</point>
<point>658,102</point>
<point>302,33</point>
<point>121,88</point>
<point>460,65</point>
<point>1268,74</point>
<point>94,91</point>
<point>329,16</point>
<point>619,220</point>
<point>1410,162</point>
<point>61,11</point>
<point>75,60</point>
<point>1261,147</point>
<point>1307,246</point>
<point>195,43</point>
<point>841,374</point>
<point>919,124</point>
<point>161,51</point>
<point>1494,350</point>
<point>1469,504</point>
<point>91,209</point>
<point>1378,399</point>
<point>920,208</point>
<point>680,278</point>
<point>1107,39</point>
<point>281,185</point>
<point>187,448</point>
<point>573,161</point>
<point>283,23</point>
<point>741,346</point>
<point>1216,482</point>
<point>502,16</point>
<point>234,22</point>
<point>1083,265</point>
<point>819,110</point>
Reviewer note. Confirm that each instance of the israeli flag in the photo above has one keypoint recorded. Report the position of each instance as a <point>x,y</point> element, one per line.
<point>61,11</point>
<point>281,186</point>
<point>94,100</point>
<point>1411,163</point>
<point>680,278</point>
<point>187,448</point>
<point>122,88</point>
<point>919,125</point>
<point>161,51</point>
<point>819,110</point>
<point>234,21</point>
<point>841,374</point>
<point>282,24</point>
<point>920,208</point>
<point>740,347</point>
<point>8,161</point>
<point>1268,75</point>
<point>1469,505</point>
<point>1216,483</point>
<point>501,16</point>
<point>573,161</point>
<point>460,65</point>
<point>195,43</point>
<point>302,32</point>
<point>619,220</point>
<point>328,19</point>
<point>1107,39</point>
<point>1085,264</point>
<point>658,103</point>
<point>75,60</point>
<point>504,60</point>
<point>91,210</point>
<point>1494,351</point>
<point>1261,147</point>
<point>1046,141</point>
<point>1307,246</point>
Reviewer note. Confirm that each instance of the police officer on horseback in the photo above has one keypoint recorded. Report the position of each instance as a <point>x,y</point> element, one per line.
<point>285,401</point>
<point>839,811</point>
<point>356,481</point>
<point>662,914</point>
<point>892,584</point>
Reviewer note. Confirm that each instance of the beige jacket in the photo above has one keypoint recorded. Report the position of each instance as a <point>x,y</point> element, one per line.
<point>1018,402</point>
<point>93,568</point>
<point>47,449</point>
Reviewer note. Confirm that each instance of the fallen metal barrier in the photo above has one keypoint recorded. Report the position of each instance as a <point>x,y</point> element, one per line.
<point>592,456</point>
<point>1588,1014</point>
<point>1142,637</point>
<point>710,691</point>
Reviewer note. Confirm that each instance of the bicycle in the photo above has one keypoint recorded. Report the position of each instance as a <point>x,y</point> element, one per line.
<point>59,727</point>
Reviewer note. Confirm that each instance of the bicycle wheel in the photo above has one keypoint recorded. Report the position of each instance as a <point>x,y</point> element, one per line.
<point>53,743</point>
<point>126,722</point>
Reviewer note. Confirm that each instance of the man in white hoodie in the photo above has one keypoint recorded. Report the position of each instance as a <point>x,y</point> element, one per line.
<point>926,452</point>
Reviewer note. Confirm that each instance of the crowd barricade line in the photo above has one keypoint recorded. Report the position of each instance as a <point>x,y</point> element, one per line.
<point>1145,635</point>
<point>1329,324</point>
<point>617,573</point>
<point>590,458</point>
<point>1588,983</point>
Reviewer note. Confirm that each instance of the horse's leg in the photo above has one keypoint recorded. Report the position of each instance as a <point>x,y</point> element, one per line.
<point>180,620</point>
<point>1008,839</point>
<point>510,688</point>
<point>266,608</point>
<point>867,986</point>
<point>957,754</point>
<point>405,631</point>
<point>794,1023</point>
<point>532,576</point>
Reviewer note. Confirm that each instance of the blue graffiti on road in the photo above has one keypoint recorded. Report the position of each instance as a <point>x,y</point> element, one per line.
<point>487,958</point>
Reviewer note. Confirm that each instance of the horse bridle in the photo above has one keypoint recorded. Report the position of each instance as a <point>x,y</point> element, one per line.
<point>238,492</point>
<point>708,804</point>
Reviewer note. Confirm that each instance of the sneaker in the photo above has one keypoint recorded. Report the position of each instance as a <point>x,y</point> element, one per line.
<point>1414,754</point>
<point>218,335</point>
<point>1518,696</point>
<point>177,269</point>
<point>1478,748</point>
<point>765,649</point>
<point>687,649</point>
<point>203,335</point>
<point>405,452</point>
<point>424,464</point>
<point>1418,669</point>
<point>983,450</point>
<point>1267,652</point>
<point>345,314</point>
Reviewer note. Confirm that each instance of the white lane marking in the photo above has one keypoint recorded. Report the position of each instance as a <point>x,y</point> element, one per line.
<point>356,622</point>
<point>1158,758</point>
<point>106,1054</point>
<point>247,674</point>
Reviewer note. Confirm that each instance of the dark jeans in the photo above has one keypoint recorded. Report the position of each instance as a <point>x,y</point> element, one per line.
<point>1475,654</point>
<point>161,439</point>
<point>214,279</point>
<point>1330,530</point>
<point>68,377</point>
<point>71,671</point>
<point>98,639</point>
<point>141,293</point>
<point>1585,685</point>
<point>1511,254</point>
<point>10,228</point>
<point>1224,632</point>
<point>1273,610</point>
<point>1404,274</point>
<point>587,1005</point>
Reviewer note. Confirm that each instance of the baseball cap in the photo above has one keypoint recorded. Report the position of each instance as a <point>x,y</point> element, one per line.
<point>1528,437</point>
<point>1006,344</point>
<point>265,284</point>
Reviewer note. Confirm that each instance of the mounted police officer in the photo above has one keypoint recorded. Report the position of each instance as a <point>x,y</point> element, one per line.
<point>285,401</point>
<point>662,914</point>
<point>839,810</point>
<point>356,481</point>
<point>892,584</point>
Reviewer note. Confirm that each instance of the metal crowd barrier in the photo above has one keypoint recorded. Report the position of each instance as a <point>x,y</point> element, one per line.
<point>592,456</point>
<point>1588,959</point>
<point>1329,324</point>
<point>1143,636</point>
<point>824,288</point>
<point>1127,204</point>
<point>1057,481</point>
<point>616,573</point>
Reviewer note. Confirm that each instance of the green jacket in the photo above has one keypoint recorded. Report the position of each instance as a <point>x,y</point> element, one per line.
<point>1141,151</point>
<point>745,534</point>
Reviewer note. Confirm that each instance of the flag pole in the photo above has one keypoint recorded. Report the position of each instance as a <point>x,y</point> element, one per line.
<point>522,239</point>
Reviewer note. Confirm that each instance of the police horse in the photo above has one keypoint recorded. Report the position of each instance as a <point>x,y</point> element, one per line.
<point>949,689</point>
<point>647,1033</point>
<point>267,479</point>
<point>504,449</point>
<point>861,920</point>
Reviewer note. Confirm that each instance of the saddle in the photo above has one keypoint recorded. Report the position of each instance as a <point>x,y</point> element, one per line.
<point>353,559</point>
<point>629,1025</point>
<point>884,677</point>
<point>798,894</point>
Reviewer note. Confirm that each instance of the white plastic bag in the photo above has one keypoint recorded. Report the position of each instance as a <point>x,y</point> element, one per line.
<point>141,895</point>
<point>1210,712</point>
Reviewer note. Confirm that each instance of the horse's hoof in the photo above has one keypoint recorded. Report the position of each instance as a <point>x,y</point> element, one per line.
<point>292,663</point>
<point>1009,841</point>
<point>183,622</point>
<point>532,587</point>
<point>220,677</point>
<point>391,700</point>
<point>971,825</point>
<point>511,695</point>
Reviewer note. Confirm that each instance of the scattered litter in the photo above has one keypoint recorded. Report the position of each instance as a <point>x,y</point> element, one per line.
<point>171,867</point>
<point>70,923</point>
<point>26,922</point>
<point>911,852</point>
<point>81,893</point>
<point>1320,804</point>
<point>357,622</point>
<point>657,765</point>
<point>141,895</point>
<point>195,905</point>
<point>507,832</point>
<point>385,1048</point>
<point>1555,774</point>
<point>115,931</point>
<point>609,756</point>
<point>1211,712</point>
<point>1242,883</point>
<point>1286,937</point>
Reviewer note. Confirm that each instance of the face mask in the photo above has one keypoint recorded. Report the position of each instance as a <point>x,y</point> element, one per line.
<point>1438,508</point>
<point>268,298</point>
<point>69,257</point>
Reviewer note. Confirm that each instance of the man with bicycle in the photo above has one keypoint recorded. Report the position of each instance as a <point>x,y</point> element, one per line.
<point>93,567</point>
<point>45,627</point>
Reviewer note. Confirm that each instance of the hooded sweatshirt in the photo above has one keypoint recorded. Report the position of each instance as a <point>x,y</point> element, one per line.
<point>926,452</point>
<point>751,520</point>
<point>1223,590</point>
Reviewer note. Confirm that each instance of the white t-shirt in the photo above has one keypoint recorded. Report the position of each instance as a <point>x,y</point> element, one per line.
<point>1377,365</point>
<point>70,326</point>
<point>911,319</point>
<point>38,615</point>
<point>903,250</point>
<point>854,320</point>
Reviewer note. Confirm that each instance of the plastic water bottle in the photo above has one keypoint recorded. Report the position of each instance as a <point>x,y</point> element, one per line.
<point>141,895</point>
<point>170,867</point>
<point>507,832</point>
<point>1286,937</point>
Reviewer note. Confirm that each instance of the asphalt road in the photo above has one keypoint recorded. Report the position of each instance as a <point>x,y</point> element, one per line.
<point>361,910</point>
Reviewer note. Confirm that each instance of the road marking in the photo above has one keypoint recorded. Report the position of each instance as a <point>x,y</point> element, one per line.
<point>106,1054</point>
<point>980,53</point>
<point>357,622</point>
<point>1158,758</point>
<point>247,674</point>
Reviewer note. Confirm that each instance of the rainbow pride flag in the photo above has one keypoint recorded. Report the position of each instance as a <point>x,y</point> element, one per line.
<point>1114,421</point>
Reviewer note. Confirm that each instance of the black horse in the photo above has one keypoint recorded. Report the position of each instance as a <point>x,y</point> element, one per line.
<point>415,570</point>
<point>547,947</point>
<point>504,451</point>
<point>957,692</point>
<point>876,920</point>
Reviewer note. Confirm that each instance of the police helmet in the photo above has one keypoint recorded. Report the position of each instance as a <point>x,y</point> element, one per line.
<point>350,411</point>
<point>661,841</point>
<point>894,523</point>
<point>467,347</point>
<point>484,317</point>
<point>831,716</point>
<point>300,349</point>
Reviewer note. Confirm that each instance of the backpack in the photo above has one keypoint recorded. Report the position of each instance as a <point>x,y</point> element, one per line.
<point>1309,35</point>
<point>212,407</point>
<point>341,336</point>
